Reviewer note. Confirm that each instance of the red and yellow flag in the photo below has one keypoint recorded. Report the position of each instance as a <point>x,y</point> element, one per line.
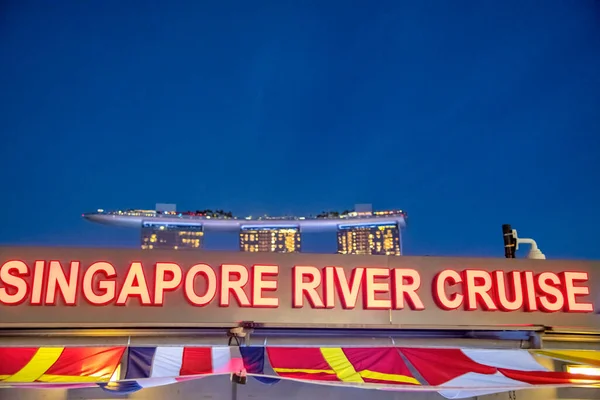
<point>58,364</point>
<point>352,365</point>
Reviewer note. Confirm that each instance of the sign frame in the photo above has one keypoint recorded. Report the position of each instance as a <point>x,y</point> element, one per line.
<point>278,279</point>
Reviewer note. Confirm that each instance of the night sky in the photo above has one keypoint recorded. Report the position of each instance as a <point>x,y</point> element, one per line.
<point>466,114</point>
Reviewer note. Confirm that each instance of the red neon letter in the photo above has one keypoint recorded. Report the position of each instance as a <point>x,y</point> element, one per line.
<point>161,284</point>
<point>135,286</point>
<point>349,292</point>
<point>407,290</point>
<point>551,298</point>
<point>301,287</point>
<point>259,285</point>
<point>211,285</point>
<point>372,288</point>
<point>108,288</point>
<point>515,287</point>
<point>572,291</point>
<point>236,287</point>
<point>478,285</point>
<point>67,288</point>
<point>439,290</point>
<point>531,299</point>
<point>329,287</point>
<point>38,283</point>
<point>13,280</point>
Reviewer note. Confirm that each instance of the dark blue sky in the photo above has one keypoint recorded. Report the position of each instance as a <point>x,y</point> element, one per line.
<point>467,114</point>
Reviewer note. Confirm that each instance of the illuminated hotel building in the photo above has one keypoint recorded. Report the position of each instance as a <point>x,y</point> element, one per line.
<point>171,236</point>
<point>369,240</point>
<point>361,231</point>
<point>273,240</point>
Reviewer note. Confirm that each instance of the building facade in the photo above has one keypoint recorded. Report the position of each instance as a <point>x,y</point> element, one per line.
<point>369,240</point>
<point>272,240</point>
<point>171,236</point>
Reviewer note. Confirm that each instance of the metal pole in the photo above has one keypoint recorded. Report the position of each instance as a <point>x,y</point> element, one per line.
<point>234,389</point>
<point>509,241</point>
